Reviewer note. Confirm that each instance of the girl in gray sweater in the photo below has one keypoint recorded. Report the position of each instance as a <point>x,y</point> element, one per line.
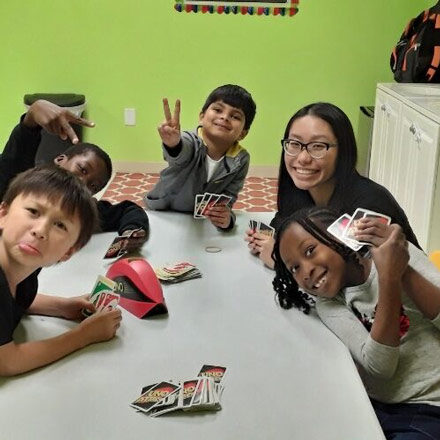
<point>384,308</point>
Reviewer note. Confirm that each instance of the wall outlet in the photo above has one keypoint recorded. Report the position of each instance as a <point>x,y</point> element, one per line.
<point>130,116</point>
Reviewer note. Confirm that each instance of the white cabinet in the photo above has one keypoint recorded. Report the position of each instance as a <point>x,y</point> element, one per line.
<point>405,154</point>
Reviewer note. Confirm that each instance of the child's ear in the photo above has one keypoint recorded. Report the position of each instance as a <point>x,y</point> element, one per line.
<point>68,254</point>
<point>201,114</point>
<point>60,159</point>
<point>4,208</point>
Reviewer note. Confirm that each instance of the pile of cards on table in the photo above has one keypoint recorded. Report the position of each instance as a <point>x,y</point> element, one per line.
<point>177,272</point>
<point>344,227</point>
<point>103,295</point>
<point>201,393</point>
<point>125,243</point>
<point>205,201</point>
<point>261,227</point>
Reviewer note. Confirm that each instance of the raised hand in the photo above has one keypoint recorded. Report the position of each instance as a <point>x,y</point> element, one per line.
<point>54,119</point>
<point>391,256</point>
<point>169,129</point>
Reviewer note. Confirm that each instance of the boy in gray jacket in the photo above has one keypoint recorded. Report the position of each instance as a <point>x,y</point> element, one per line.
<point>209,159</point>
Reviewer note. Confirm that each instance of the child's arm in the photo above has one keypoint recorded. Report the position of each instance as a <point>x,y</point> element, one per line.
<point>19,358</point>
<point>122,217</point>
<point>69,308</point>
<point>391,260</point>
<point>169,129</point>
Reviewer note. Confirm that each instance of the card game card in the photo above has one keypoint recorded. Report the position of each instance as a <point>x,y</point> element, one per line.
<point>359,214</point>
<point>337,229</point>
<point>103,294</point>
<point>216,372</point>
<point>123,244</point>
<point>154,396</point>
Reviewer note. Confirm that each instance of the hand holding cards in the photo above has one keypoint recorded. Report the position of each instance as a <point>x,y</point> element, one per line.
<point>103,295</point>
<point>201,393</point>
<point>345,227</point>
<point>203,202</point>
<point>261,228</point>
<point>123,244</point>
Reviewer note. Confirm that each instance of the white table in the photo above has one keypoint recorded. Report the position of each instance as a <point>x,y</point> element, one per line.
<point>288,376</point>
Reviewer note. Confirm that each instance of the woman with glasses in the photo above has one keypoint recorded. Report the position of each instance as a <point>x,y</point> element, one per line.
<point>317,168</point>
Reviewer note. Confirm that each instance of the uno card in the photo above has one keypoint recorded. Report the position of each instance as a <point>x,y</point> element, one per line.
<point>107,299</point>
<point>117,248</point>
<point>197,395</point>
<point>223,200</point>
<point>265,229</point>
<point>212,201</point>
<point>154,395</point>
<point>337,229</point>
<point>198,199</point>
<point>188,390</point>
<point>206,202</point>
<point>168,404</point>
<point>216,372</point>
<point>253,225</point>
<point>103,285</point>
<point>359,214</point>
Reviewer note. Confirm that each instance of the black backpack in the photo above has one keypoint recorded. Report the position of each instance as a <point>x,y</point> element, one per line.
<point>416,57</point>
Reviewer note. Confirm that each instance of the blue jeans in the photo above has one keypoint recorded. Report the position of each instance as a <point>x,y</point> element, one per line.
<point>408,421</point>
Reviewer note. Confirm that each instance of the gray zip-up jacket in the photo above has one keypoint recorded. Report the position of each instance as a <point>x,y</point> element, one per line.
<point>186,176</point>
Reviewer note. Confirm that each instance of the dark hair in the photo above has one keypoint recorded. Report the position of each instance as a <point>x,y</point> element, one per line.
<point>83,148</point>
<point>315,221</point>
<point>59,186</point>
<point>290,198</point>
<point>234,96</point>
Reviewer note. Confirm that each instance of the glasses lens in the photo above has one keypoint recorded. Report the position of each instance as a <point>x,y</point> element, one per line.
<point>317,149</point>
<point>292,147</point>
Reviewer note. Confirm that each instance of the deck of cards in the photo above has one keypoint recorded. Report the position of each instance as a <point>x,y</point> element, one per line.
<point>177,272</point>
<point>261,228</point>
<point>123,244</point>
<point>344,227</point>
<point>103,295</point>
<point>201,393</point>
<point>206,201</point>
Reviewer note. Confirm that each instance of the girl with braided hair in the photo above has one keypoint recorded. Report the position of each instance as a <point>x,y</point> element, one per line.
<point>384,306</point>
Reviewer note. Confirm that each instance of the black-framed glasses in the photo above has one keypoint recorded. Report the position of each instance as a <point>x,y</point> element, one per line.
<point>317,150</point>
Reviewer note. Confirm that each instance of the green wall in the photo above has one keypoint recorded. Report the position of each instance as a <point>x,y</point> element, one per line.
<point>131,53</point>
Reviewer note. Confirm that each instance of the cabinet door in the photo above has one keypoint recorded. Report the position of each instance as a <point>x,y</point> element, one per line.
<point>415,165</point>
<point>385,133</point>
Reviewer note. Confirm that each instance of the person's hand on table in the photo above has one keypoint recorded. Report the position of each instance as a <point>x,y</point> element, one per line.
<point>219,215</point>
<point>70,308</point>
<point>101,326</point>
<point>54,119</point>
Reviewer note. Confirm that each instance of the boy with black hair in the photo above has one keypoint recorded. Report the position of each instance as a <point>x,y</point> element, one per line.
<point>209,159</point>
<point>87,161</point>
<point>46,215</point>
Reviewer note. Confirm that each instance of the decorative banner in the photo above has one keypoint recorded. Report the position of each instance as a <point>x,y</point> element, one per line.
<point>252,7</point>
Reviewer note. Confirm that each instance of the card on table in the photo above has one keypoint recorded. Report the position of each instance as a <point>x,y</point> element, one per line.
<point>123,244</point>
<point>154,395</point>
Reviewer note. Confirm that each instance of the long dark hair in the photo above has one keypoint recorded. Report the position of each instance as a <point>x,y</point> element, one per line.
<point>315,221</point>
<point>290,198</point>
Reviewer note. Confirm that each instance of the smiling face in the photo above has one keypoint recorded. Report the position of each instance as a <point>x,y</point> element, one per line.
<point>315,267</point>
<point>307,173</point>
<point>88,167</point>
<point>36,232</point>
<point>223,123</point>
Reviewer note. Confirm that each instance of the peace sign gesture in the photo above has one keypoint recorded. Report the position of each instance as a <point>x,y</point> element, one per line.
<point>169,130</point>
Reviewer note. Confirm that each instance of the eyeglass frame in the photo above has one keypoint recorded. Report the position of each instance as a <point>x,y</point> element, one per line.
<point>305,146</point>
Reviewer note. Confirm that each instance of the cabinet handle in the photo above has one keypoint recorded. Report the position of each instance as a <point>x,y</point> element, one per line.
<point>412,129</point>
<point>383,107</point>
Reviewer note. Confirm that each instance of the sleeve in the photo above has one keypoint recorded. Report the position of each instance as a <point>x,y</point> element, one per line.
<point>376,359</point>
<point>18,154</point>
<point>185,151</point>
<point>235,186</point>
<point>122,216</point>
